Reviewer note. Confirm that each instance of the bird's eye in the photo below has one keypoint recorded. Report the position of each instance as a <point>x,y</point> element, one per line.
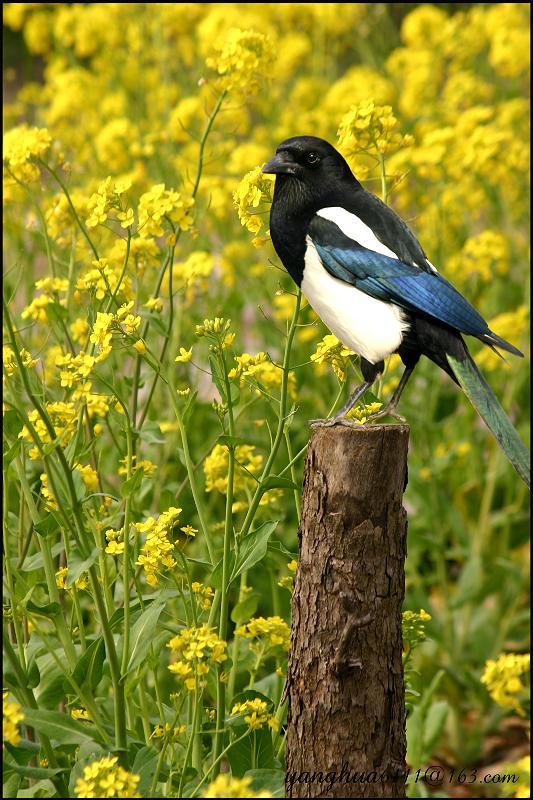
<point>312,158</point>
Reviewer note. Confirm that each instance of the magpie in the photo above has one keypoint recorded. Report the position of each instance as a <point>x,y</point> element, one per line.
<point>369,280</point>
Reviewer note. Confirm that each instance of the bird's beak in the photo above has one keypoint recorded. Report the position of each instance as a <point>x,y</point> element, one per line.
<point>281,164</point>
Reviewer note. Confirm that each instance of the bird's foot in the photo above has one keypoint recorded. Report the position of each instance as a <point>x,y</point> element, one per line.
<point>330,422</point>
<point>385,412</point>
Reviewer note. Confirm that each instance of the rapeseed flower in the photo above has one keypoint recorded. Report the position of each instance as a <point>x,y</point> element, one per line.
<point>216,468</point>
<point>269,633</point>
<point>330,351</point>
<point>159,203</point>
<point>22,147</point>
<point>255,713</point>
<point>503,679</point>
<point>12,717</point>
<point>226,786</point>
<point>105,778</point>
<point>243,61</point>
<point>199,649</point>
<point>156,552</point>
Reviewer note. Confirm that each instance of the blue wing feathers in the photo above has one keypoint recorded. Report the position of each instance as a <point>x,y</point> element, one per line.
<point>394,281</point>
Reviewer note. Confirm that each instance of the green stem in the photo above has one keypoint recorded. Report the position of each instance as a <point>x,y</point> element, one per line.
<point>81,226</point>
<point>281,421</point>
<point>29,699</point>
<point>293,472</point>
<point>189,466</point>
<point>226,565</point>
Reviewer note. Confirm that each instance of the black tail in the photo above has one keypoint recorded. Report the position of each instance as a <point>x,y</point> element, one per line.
<point>488,407</point>
<point>494,341</point>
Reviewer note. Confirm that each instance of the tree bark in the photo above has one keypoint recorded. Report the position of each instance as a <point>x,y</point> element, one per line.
<point>346,715</point>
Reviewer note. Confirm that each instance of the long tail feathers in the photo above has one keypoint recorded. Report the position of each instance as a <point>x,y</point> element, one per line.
<point>486,404</point>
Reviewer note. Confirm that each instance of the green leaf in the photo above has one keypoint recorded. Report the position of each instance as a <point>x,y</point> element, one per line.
<point>77,564</point>
<point>56,312</point>
<point>79,485</point>
<point>12,453</point>
<point>277,482</point>
<point>132,484</point>
<point>189,406</point>
<point>49,524</point>
<point>218,377</point>
<point>33,675</point>
<point>151,433</point>
<point>49,610</point>
<point>215,579</point>
<point>434,725</point>
<point>253,547</point>
<point>142,635</point>
<point>58,727</point>
<point>36,773</point>
<point>13,423</point>
<point>246,608</point>
<point>260,741</point>
<point>37,562</point>
<point>269,780</point>
<point>90,667</point>
<point>144,765</point>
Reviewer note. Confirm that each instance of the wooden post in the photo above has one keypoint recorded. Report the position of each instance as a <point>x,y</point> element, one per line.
<point>346,716</point>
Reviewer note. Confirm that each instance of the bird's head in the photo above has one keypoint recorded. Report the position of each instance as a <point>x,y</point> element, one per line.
<point>309,169</point>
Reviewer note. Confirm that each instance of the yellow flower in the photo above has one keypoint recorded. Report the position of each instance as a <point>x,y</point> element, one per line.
<point>204,594</point>
<point>63,417</point>
<point>255,713</point>
<point>12,717</point>
<point>184,356</point>
<point>199,648</point>
<point>361,413</point>
<point>104,200</point>
<point>126,218</point>
<point>413,626</point>
<point>243,61</point>
<point>503,679</point>
<point>272,632</point>
<point>158,203</point>
<point>105,778</point>
<point>331,351</point>
<point>156,552</point>
<point>22,146</point>
<point>101,334</point>
<point>140,346</point>
<point>79,713</point>
<point>188,530</point>
<point>168,732</point>
<point>253,198</point>
<point>194,269</point>
<point>154,304</point>
<point>79,329</point>
<point>226,786</point>
<point>37,308</point>
<point>216,468</point>
<point>61,575</point>
<point>370,129</point>
<point>261,370</point>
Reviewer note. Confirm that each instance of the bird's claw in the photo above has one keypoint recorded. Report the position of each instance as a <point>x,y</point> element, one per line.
<point>330,422</point>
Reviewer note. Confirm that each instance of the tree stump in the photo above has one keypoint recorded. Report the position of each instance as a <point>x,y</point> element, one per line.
<point>346,715</point>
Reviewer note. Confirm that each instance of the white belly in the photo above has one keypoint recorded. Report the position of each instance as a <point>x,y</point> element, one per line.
<point>370,327</point>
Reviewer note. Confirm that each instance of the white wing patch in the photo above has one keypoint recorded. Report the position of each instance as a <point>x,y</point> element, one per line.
<point>432,268</point>
<point>355,229</point>
<point>371,327</point>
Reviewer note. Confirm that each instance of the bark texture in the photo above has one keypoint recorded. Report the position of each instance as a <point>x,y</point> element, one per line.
<point>345,679</point>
